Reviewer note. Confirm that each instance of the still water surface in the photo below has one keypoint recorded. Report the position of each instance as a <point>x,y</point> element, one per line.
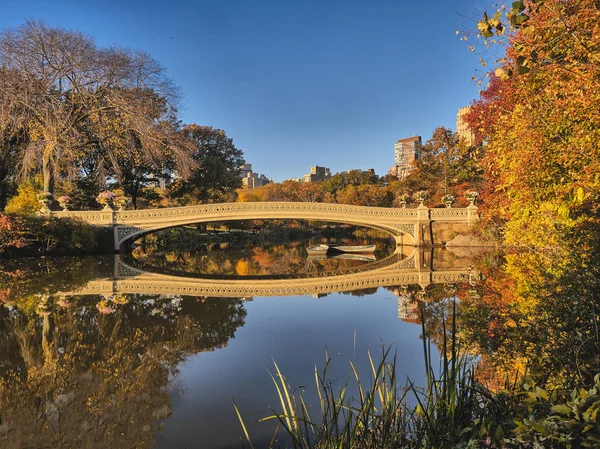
<point>124,369</point>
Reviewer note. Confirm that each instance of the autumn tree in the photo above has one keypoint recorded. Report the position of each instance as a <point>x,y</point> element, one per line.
<point>281,191</point>
<point>446,165</point>
<point>218,163</point>
<point>66,98</point>
<point>365,195</point>
<point>340,181</point>
<point>438,158</point>
<point>80,358</point>
<point>310,192</point>
<point>540,120</point>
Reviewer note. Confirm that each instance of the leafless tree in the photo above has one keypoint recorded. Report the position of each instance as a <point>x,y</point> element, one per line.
<point>68,99</point>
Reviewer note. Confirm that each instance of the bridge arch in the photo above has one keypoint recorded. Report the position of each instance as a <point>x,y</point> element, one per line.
<point>126,234</point>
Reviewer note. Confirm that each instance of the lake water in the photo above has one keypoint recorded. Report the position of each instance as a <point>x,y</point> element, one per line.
<point>110,352</point>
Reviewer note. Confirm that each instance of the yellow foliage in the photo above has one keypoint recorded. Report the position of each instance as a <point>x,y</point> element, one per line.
<point>25,202</point>
<point>246,196</point>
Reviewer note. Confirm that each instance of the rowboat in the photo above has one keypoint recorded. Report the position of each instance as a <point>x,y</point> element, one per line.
<point>353,249</point>
<point>363,257</point>
<point>325,249</point>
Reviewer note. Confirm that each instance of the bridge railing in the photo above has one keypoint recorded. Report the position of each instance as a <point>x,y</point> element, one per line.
<point>104,217</point>
<point>227,210</point>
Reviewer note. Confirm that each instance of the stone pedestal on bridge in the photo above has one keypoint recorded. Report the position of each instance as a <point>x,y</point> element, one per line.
<point>423,235</point>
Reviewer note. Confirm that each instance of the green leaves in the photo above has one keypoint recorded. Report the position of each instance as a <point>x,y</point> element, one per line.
<point>488,27</point>
<point>517,16</point>
<point>518,6</point>
<point>562,409</point>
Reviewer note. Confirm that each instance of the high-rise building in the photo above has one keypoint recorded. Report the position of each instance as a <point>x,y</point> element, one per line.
<point>406,151</point>
<point>245,169</point>
<point>462,128</point>
<point>317,174</point>
<point>251,179</point>
<point>161,181</point>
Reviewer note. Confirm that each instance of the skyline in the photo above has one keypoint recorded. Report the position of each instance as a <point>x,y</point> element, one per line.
<point>296,85</point>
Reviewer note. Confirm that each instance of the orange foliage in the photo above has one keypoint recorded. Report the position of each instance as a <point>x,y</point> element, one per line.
<point>242,267</point>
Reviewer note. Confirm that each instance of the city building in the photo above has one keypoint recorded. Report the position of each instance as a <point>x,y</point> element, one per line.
<point>406,151</point>
<point>317,174</point>
<point>462,128</point>
<point>408,306</point>
<point>245,169</point>
<point>252,179</point>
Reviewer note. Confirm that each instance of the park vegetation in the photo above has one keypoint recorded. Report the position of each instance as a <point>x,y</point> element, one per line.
<point>77,120</point>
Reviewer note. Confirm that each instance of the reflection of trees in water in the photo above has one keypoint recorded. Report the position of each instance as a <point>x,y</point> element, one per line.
<point>541,311</point>
<point>78,375</point>
<point>23,278</point>
<point>433,305</point>
<point>241,257</point>
<point>255,261</point>
<point>362,292</point>
<point>534,312</point>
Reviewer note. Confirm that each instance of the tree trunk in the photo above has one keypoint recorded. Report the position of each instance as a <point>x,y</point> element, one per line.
<point>48,175</point>
<point>3,197</point>
<point>48,337</point>
<point>134,193</point>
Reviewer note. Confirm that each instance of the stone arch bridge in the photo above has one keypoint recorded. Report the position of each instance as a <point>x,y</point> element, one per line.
<point>410,226</point>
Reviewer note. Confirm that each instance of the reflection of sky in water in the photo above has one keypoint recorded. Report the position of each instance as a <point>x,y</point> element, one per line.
<point>295,332</point>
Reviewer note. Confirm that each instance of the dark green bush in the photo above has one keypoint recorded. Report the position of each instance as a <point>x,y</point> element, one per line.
<point>49,235</point>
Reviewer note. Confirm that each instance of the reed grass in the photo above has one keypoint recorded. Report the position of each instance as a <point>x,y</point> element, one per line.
<point>444,413</point>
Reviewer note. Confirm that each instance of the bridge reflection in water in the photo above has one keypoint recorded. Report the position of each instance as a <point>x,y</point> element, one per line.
<point>416,267</point>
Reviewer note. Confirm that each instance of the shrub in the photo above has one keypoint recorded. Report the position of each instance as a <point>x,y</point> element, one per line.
<point>51,234</point>
<point>11,233</point>
<point>48,234</point>
<point>25,202</point>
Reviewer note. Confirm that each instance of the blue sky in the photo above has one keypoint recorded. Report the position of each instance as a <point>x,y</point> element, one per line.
<point>295,83</point>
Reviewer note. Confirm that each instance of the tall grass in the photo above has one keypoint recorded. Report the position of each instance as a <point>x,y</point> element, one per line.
<point>384,414</point>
